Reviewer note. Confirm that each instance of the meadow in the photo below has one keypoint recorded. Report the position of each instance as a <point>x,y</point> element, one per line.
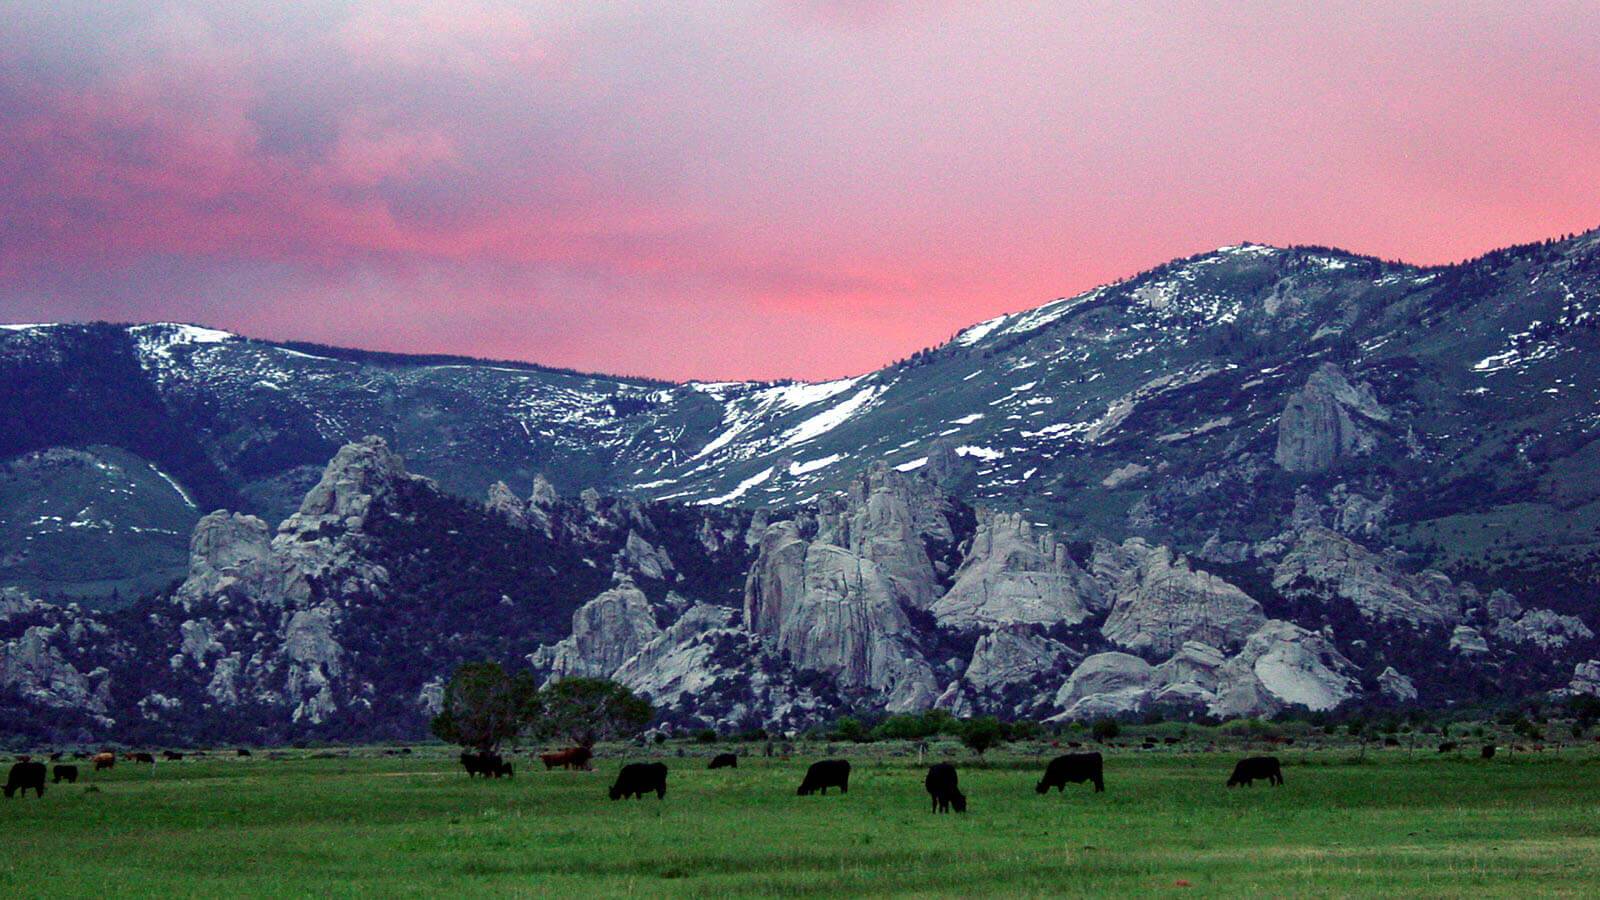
<point>369,824</point>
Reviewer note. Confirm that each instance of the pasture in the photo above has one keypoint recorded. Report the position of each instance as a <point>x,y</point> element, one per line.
<point>375,825</point>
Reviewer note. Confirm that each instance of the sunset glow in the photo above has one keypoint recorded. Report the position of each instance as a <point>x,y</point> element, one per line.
<point>788,189</point>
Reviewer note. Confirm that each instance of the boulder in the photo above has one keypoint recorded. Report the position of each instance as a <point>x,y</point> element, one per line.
<point>639,556</point>
<point>1191,675</point>
<point>1284,665</point>
<point>1105,684</point>
<point>503,501</point>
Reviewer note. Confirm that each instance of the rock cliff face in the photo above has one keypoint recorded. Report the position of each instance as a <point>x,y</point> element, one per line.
<point>1015,574</point>
<point>829,610</point>
<point>889,519</point>
<point>1327,420</point>
<point>1162,603</point>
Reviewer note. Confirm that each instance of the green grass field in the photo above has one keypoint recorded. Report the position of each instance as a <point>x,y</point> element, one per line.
<point>371,825</point>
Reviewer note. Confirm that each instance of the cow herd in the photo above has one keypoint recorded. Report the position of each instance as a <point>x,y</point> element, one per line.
<point>638,779</point>
<point>635,780</point>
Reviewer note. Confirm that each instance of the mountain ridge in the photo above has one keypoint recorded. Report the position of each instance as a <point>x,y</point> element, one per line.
<point>1103,412</point>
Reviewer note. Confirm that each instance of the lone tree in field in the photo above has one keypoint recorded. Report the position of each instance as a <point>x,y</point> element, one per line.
<point>483,706</point>
<point>982,734</point>
<point>586,710</point>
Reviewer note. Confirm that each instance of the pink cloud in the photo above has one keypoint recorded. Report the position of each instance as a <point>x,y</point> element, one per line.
<point>698,190</point>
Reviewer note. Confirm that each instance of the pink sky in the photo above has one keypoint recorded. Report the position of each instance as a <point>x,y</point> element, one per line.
<point>794,189</point>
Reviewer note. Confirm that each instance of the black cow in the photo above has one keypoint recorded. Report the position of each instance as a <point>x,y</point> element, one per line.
<point>1488,751</point>
<point>1448,747</point>
<point>1251,768</point>
<point>142,758</point>
<point>170,756</point>
<point>724,761</point>
<point>23,776</point>
<point>241,752</point>
<point>942,787</point>
<point>826,774</point>
<point>489,765</point>
<point>1076,768</point>
<point>637,779</point>
<point>69,774</point>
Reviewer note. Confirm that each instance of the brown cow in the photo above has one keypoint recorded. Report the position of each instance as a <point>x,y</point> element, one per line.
<point>570,758</point>
<point>104,761</point>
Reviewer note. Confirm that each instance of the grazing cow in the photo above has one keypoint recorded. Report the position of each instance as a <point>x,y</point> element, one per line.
<point>69,774</point>
<point>23,776</point>
<point>942,787</point>
<point>637,779</point>
<point>826,774</point>
<point>171,756</point>
<point>489,765</point>
<point>1251,768</point>
<point>1448,747</point>
<point>570,758</point>
<point>1076,768</point>
<point>104,761</point>
<point>56,756</point>
<point>143,758</point>
<point>724,761</point>
<point>1488,751</point>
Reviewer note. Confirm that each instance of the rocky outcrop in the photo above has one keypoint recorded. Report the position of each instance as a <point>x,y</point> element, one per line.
<point>281,596</point>
<point>1325,564</point>
<point>1327,420</point>
<point>231,555</point>
<point>1542,628</point>
<point>504,502</point>
<point>1161,603</point>
<point>639,556</point>
<point>1396,686</point>
<point>888,518</point>
<point>1190,677</point>
<point>606,632</point>
<point>1013,655</point>
<point>1468,641</point>
<point>38,665</point>
<point>1586,678</point>
<point>1016,574</point>
<point>829,610</point>
<point>1284,665</point>
<point>541,502</point>
<point>1006,672</point>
